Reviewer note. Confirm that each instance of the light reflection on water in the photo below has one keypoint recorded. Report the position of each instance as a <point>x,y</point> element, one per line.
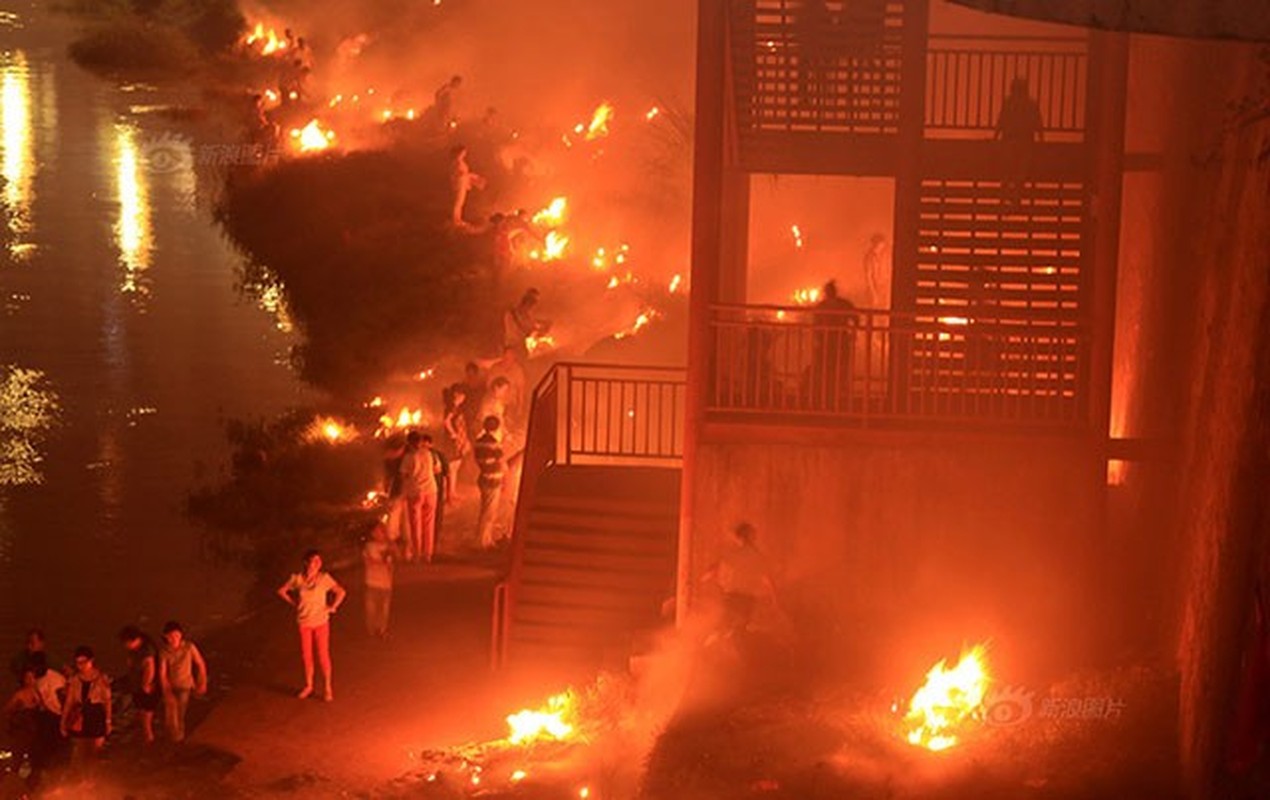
<point>17,165</point>
<point>28,408</point>
<point>133,233</point>
<point>119,289</point>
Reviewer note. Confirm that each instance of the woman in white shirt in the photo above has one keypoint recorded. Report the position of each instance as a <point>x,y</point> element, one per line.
<point>315,595</point>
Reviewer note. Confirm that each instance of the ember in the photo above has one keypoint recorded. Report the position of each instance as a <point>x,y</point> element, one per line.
<point>948,700</point>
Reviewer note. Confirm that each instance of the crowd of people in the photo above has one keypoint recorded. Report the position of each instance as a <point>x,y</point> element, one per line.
<point>65,712</point>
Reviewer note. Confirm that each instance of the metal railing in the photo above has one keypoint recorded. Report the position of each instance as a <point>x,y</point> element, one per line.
<point>590,415</point>
<point>884,369</point>
<point>968,79</point>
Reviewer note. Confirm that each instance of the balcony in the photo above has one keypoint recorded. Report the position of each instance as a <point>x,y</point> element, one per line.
<point>876,369</point>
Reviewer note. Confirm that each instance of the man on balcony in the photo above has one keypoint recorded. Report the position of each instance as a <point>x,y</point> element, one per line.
<point>832,347</point>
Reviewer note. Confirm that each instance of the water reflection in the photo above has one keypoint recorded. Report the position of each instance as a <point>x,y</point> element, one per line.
<point>133,234</point>
<point>17,166</point>
<point>27,411</point>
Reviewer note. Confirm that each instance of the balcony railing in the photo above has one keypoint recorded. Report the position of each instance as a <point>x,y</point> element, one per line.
<point>883,369</point>
<point>827,67</point>
<point>968,79</point>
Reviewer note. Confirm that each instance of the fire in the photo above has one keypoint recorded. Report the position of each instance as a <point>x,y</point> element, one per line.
<point>406,418</point>
<point>552,249</point>
<point>268,41</point>
<point>552,722</point>
<point>646,316</point>
<point>599,126</point>
<point>675,283</point>
<point>312,137</point>
<point>331,430</point>
<point>948,699</point>
<point>539,344</point>
<point>808,296</point>
<point>798,236</point>
<point>553,215</point>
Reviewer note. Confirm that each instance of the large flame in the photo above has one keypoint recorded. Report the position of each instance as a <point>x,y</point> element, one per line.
<point>553,215</point>
<point>266,40</point>
<point>948,700</point>
<point>312,137</point>
<point>553,247</point>
<point>553,722</point>
<point>406,418</point>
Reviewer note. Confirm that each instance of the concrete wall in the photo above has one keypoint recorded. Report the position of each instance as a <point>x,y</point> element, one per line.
<point>919,543</point>
<point>1192,370</point>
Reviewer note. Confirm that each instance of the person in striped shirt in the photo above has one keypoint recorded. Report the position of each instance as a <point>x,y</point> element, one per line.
<point>488,450</point>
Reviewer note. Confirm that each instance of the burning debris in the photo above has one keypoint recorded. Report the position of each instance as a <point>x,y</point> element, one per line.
<point>950,699</point>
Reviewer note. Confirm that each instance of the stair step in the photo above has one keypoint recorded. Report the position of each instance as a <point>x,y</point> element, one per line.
<point>663,527</point>
<point>597,561</point>
<point>603,580</point>
<point>653,507</point>
<point>612,544</point>
<point>595,597</point>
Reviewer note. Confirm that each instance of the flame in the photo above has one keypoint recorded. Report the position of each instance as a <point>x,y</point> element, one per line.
<point>268,41</point>
<point>948,699</point>
<point>539,344</point>
<point>552,722</point>
<point>330,430</point>
<point>553,215</point>
<point>552,249</point>
<point>599,125</point>
<point>798,236</point>
<point>808,296</point>
<point>675,283</point>
<point>312,137</point>
<point>652,113</point>
<point>406,418</point>
<point>646,316</point>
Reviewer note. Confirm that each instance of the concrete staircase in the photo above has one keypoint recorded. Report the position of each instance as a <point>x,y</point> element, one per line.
<point>592,567</point>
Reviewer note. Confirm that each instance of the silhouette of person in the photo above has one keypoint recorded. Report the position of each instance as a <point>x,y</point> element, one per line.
<point>1018,130</point>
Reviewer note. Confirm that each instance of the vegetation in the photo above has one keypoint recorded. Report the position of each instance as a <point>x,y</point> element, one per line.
<point>153,37</point>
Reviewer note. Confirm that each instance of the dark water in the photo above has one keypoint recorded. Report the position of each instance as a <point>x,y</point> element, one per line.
<point>118,303</point>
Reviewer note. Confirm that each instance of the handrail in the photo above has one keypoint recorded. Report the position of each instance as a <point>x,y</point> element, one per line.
<point>582,394</point>
<point>867,367</point>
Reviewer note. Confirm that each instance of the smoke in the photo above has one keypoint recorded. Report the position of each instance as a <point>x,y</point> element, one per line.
<point>545,59</point>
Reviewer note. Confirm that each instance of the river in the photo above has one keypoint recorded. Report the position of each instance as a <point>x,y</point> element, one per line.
<point>118,302</point>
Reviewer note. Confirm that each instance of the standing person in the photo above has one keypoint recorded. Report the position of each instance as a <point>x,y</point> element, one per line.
<point>474,388</point>
<point>456,428</point>
<point>488,450</point>
<point>51,687</point>
<point>35,644</point>
<point>1019,128</point>
<point>419,482</point>
<point>509,366</point>
<point>394,452</point>
<point>462,181</point>
<point>877,272</point>
<point>742,577</point>
<point>444,101</point>
<point>832,349</point>
<point>86,714</point>
<point>442,475</point>
<point>379,557</point>
<point>182,670</point>
<point>317,597</point>
<point>519,323</point>
<point>143,675</point>
<point>22,715</point>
